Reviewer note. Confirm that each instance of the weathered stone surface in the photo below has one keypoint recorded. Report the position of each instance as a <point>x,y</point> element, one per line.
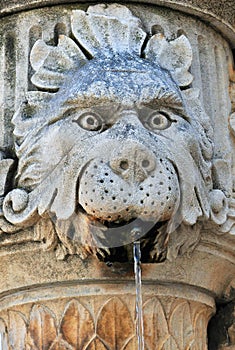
<point>123,130</point>
<point>116,135</point>
<point>165,321</point>
<point>220,14</point>
<point>68,295</point>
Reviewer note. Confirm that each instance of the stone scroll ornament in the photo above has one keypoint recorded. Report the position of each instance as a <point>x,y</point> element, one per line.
<point>113,139</point>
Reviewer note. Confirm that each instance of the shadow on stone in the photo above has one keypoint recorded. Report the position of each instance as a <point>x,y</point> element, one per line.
<point>221,328</point>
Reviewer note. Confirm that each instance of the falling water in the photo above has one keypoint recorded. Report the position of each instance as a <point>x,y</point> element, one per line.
<point>139,304</point>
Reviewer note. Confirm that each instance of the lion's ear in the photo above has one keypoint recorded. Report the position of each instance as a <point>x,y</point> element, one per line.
<point>175,56</point>
<point>52,63</point>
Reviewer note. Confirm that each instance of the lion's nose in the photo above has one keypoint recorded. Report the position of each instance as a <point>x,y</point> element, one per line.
<point>133,164</point>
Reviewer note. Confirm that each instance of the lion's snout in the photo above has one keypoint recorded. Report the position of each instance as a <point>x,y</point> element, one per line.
<point>133,164</point>
<point>130,182</point>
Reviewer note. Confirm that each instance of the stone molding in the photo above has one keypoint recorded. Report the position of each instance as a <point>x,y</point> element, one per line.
<point>220,14</point>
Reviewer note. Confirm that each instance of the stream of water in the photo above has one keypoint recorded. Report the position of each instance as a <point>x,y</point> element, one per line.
<point>139,303</point>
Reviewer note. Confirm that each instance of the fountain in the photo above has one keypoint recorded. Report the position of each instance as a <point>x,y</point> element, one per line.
<point>117,174</point>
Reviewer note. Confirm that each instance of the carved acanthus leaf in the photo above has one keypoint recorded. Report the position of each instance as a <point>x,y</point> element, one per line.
<point>200,327</point>
<point>95,344</point>
<point>75,237</point>
<point>6,166</point>
<point>44,231</point>
<point>3,333</point>
<point>53,63</point>
<point>60,345</point>
<point>170,344</point>
<point>77,326</point>
<point>183,240</point>
<point>131,344</point>
<point>155,324</point>
<point>175,55</point>
<point>20,206</point>
<point>172,324</point>
<point>114,325</point>
<point>17,330</point>
<point>181,326</point>
<point>109,29</point>
<point>42,330</point>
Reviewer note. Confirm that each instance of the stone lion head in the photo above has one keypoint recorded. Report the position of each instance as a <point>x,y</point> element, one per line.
<point>114,135</point>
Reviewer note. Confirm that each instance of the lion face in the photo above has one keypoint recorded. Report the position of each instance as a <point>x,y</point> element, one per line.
<point>114,138</point>
<point>129,174</point>
<point>126,160</point>
<point>128,155</point>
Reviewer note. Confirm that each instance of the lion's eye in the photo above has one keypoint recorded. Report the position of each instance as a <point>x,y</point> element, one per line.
<point>90,122</point>
<point>158,121</point>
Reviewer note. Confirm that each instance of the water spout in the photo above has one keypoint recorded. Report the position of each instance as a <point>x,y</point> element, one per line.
<point>139,303</point>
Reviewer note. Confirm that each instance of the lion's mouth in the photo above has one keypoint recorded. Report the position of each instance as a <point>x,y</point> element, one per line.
<point>113,240</point>
<point>119,209</point>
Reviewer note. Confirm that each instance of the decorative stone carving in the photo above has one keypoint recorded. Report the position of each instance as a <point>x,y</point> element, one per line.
<point>220,14</point>
<point>109,137</point>
<point>168,324</point>
<point>122,133</point>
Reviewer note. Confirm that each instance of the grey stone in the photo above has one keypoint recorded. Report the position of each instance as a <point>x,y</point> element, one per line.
<point>113,136</point>
<point>220,14</point>
<point>120,118</point>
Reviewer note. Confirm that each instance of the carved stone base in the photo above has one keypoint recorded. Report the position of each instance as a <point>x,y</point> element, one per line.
<point>102,316</point>
<point>75,304</point>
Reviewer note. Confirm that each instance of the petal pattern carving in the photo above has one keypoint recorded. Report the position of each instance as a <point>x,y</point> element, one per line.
<point>155,324</point>
<point>131,344</point>
<point>181,326</point>
<point>17,330</point>
<point>96,344</point>
<point>170,344</point>
<point>77,326</point>
<point>115,325</point>
<point>200,329</point>
<point>60,345</point>
<point>3,331</point>
<point>42,329</point>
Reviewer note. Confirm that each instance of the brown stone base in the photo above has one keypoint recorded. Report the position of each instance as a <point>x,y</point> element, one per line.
<point>102,316</point>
